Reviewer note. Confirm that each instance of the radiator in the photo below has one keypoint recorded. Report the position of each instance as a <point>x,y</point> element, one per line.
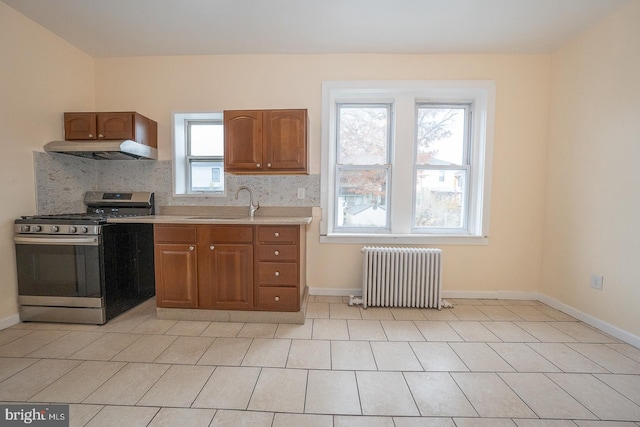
<point>401,277</point>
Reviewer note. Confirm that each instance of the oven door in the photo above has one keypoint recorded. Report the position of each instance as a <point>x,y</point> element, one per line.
<point>64,270</point>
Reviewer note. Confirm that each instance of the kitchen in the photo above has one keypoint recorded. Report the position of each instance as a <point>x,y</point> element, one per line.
<point>538,200</point>
<point>198,83</point>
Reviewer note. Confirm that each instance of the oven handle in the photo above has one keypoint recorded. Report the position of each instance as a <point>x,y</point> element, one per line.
<point>61,241</point>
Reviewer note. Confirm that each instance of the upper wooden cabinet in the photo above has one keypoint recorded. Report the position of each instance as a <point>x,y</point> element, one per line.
<point>265,141</point>
<point>111,126</point>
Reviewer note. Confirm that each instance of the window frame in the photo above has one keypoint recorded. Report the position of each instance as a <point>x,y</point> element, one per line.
<point>465,166</point>
<point>479,93</point>
<point>191,159</point>
<point>181,158</point>
<point>386,167</point>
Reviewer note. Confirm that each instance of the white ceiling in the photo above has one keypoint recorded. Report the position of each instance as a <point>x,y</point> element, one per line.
<point>104,28</point>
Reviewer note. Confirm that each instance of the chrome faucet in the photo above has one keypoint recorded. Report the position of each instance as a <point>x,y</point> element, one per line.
<point>252,208</point>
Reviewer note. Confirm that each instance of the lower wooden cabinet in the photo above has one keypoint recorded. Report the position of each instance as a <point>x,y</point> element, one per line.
<point>176,278</point>
<point>176,257</point>
<point>228,267</point>
<point>226,277</point>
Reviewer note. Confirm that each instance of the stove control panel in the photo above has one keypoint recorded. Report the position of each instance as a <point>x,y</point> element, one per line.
<point>56,229</point>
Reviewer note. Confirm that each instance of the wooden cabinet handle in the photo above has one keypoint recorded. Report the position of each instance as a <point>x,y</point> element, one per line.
<point>277,273</point>
<point>276,253</point>
<point>212,247</point>
<point>191,248</point>
<point>277,298</point>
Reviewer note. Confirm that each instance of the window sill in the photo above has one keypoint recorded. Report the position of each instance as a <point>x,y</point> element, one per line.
<point>403,239</point>
<point>200,194</point>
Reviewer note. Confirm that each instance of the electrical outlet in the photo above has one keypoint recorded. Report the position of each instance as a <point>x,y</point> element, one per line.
<point>596,281</point>
<point>301,193</point>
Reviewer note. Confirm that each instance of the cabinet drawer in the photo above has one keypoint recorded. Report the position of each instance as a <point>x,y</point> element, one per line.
<point>278,233</point>
<point>174,234</point>
<point>278,299</point>
<point>278,274</point>
<point>277,253</point>
<point>228,233</point>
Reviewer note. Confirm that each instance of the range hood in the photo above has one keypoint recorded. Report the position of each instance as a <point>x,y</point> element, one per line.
<point>104,150</point>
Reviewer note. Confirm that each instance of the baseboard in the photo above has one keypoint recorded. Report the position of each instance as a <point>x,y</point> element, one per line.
<point>528,296</point>
<point>608,328</point>
<point>335,292</point>
<point>531,296</point>
<point>14,319</point>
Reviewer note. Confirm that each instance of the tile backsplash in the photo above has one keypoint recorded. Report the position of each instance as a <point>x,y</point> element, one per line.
<point>62,180</point>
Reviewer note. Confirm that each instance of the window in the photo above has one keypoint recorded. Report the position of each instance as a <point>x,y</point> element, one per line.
<point>406,161</point>
<point>198,153</point>
<point>362,167</point>
<point>442,165</point>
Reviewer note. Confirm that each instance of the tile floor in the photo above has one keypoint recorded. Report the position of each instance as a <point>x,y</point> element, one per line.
<point>481,363</point>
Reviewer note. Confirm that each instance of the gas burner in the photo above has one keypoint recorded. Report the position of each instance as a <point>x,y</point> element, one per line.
<point>100,207</point>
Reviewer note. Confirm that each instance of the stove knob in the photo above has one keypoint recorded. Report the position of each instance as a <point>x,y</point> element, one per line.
<point>36,228</point>
<point>25,228</point>
<point>84,229</point>
<point>73,229</point>
<point>55,228</point>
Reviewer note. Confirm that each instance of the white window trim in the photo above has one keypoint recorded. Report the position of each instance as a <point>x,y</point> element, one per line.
<point>179,159</point>
<point>479,92</point>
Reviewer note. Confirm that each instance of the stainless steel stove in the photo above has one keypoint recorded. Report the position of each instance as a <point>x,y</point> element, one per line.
<point>78,267</point>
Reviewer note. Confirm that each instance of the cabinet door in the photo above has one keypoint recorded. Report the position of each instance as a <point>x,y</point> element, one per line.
<point>176,275</point>
<point>79,126</point>
<point>115,126</point>
<point>243,141</point>
<point>226,278</point>
<point>285,140</point>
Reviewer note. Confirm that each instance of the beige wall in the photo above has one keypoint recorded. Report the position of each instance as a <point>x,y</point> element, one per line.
<point>157,86</point>
<point>40,77</point>
<point>593,181</point>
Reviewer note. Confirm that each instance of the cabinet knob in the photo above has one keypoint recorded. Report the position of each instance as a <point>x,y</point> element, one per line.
<point>277,273</point>
<point>277,298</point>
<point>212,247</point>
<point>100,135</point>
<point>276,253</point>
<point>257,165</point>
<point>268,165</point>
<point>90,135</point>
<point>276,234</point>
<point>191,248</point>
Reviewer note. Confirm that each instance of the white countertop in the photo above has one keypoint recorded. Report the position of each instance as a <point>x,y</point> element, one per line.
<point>214,219</point>
<point>223,215</point>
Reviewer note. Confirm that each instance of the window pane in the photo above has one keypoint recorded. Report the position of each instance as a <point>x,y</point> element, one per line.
<point>206,139</point>
<point>363,135</point>
<point>441,136</point>
<point>207,175</point>
<point>362,198</point>
<point>439,201</point>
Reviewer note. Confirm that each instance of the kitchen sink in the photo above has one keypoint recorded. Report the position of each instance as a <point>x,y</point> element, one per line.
<point>220,216</point>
